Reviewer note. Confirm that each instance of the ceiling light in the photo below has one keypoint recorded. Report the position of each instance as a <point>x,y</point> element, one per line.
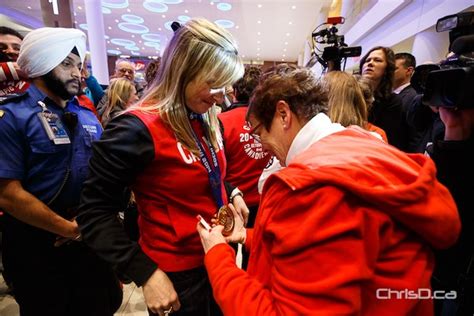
<point>258,48</point>
<point>132,18</point>
<point>74,12</point>
<point>133,35</point>
<point>287,34</point>
<point>227,24</point>
<point>284,55</point>
<point>159,29</point>
<point>258,42</point>
<point>284,49</point>
<point>186,11</point>
<point>259,22</point>
<point>290,23</point>
<point>283,59</point>
<point>29,8</point>
<point>259,5</point>
<point>236,26</point>
<point>286,43</point>
<point>211,3</point>
<point>109,27</point>
<point>114,52</point>
<point>128,10</point>
<point>293,7</point>
<point>258,54</point>
<point>163,16</point>
<point>79,7</point>
<point>243,56</point>
<point>258,33</point>
<point>155,6</point>
<point>223,6</point>
<point>115,4</point>
<point>116,21</point>
<point>133,28</point>
<point>139,41</point>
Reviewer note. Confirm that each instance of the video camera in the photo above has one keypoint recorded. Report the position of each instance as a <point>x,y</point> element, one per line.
<point>450,83</point>
<point>337,51</point>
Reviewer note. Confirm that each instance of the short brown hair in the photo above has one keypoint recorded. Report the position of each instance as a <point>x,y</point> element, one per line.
<point>305,95</point>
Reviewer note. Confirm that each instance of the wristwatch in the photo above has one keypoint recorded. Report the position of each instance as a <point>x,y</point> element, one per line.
<point>235,192</point>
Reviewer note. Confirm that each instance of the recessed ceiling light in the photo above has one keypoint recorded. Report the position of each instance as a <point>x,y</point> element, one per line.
<point>211,3</point>
<point>143,47</point>
<point>29,8</point>
<point>258,48</point>
<point>117,48</point>
<point>284,49</point>
<point>286,43</point>
<point>258,42</point>
<point>258,33</point>
<point>186,11</point>
<point>109,27</point>
<point>108,42</point>
<point>258,54</point>
<point>159,29</point>
<point>223,6</point>
<point>116,21</point>
<point>133,35</point>
<point>236,26</point>
<point>163,16</point>
<point>128,10</point>
<point>243,56</point>
<point>290,23</point>
<point>259,22</point>
<point>283,59</point>
<point>79,7</point>
<point>284,55</point>
<point>293,7</point>
<point>259,5</point>
<point>74,12</point>
<point>287,34</point>
<point>139,41</point>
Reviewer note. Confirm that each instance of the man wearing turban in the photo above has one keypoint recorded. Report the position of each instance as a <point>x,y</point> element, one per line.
<point>46,144</point>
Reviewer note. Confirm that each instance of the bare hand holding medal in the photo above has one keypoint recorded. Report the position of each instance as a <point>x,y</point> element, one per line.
<point>217,235</point>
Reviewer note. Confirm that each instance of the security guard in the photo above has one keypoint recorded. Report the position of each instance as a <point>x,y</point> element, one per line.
<point>46,144</point>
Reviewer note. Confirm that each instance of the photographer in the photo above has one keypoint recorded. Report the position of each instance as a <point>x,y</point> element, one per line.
<point>453,156</point>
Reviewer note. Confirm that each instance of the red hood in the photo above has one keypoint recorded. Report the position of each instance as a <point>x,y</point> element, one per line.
<point>403,186</point>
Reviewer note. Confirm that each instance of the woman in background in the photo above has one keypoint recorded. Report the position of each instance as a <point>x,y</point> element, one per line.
<point>348,101</point>
<point>120,95</point>
<point>378,66</point>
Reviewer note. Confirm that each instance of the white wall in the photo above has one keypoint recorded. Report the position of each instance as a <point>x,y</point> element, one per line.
<point>391,22</point>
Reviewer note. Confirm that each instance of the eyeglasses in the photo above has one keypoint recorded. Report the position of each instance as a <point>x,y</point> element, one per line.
<point>254,131</point>
<point>123,71</point>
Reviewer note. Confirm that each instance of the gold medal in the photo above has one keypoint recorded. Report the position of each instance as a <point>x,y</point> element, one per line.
<point>225,217</point>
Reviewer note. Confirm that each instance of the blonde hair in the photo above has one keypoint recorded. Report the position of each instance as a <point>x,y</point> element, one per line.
<point>199,50</point>
<point>346,101</point>
<point>118,93</point>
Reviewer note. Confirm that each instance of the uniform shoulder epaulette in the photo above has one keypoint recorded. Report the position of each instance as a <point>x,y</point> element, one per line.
<point>13,98</point>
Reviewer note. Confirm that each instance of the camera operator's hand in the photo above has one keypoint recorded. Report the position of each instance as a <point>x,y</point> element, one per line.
<point>459,123</point>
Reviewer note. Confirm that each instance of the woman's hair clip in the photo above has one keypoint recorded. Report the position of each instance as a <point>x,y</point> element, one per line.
<point>175,26</point>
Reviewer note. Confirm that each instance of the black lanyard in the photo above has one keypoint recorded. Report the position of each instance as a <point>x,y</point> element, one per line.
<point>214,173</point>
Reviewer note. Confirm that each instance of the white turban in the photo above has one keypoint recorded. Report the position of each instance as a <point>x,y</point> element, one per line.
<point>45,48</point>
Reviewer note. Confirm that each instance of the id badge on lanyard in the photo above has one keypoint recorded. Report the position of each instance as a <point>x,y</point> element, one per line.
<point>53,126</point>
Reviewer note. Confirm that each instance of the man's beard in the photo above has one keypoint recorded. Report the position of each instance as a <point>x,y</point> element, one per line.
<point>58,87</point>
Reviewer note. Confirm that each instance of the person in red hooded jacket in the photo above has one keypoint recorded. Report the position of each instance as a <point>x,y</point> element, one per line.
<point>345,229</point>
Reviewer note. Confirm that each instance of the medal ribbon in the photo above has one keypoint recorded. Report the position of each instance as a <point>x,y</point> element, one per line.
<point>214,173</point>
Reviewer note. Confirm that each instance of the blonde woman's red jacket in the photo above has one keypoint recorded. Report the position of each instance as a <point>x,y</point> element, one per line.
<point>348,220</point>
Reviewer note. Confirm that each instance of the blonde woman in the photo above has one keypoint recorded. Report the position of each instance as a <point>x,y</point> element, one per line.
<point>168,150</point>
<point>347,102</point>
<point>120,95</point>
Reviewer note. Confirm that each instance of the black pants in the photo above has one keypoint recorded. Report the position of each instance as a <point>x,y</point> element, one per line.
<point>58,281</point>
<point>251,222</point>
<point>194,293</point>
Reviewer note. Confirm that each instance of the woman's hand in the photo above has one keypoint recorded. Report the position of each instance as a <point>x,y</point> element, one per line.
<point>159,294</point>
<point>210,238</point>
<point>241,208</point>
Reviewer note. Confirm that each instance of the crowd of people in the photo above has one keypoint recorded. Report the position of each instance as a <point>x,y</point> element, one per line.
<point>341,201</point>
